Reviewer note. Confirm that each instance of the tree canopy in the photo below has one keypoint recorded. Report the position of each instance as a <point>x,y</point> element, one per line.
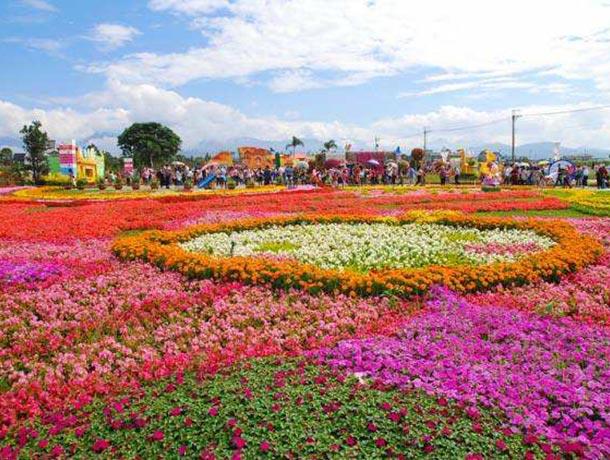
<point>295,143</point>
<point>35,142</point>
<point>330,145</point>
<point>149,144</point>
<point>6,156</point>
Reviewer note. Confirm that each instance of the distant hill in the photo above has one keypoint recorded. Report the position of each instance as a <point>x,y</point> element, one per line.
<point>535,151</point>
<point>541,150</point>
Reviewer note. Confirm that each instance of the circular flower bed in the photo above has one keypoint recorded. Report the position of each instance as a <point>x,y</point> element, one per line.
<point>567,251</point>
<point>368,246</point>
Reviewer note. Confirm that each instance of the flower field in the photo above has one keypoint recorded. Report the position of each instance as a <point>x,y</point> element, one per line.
<point>357,323</point>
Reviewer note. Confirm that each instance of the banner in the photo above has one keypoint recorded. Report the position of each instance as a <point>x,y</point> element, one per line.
<point>67,159</point>
<point>127,166</point>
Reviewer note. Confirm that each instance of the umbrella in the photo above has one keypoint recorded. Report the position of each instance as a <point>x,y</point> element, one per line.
<point>302,165</point>
<point>177,163</point>
<point>373,162</point>
<point>543,162</point>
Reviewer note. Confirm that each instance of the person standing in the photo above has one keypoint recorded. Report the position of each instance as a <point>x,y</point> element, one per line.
<point>457,172</point>
<point>585,176</point>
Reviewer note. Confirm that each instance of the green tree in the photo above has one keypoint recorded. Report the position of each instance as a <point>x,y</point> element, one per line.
<point>149,144</point>
<point>6,156</point>
<point>294,144</point>
<point>111,163</point>
<point>330,145</point>
<point>35,142</point>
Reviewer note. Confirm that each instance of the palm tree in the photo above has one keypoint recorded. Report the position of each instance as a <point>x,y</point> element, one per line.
<point>295,143</point>
<point>330,145</point>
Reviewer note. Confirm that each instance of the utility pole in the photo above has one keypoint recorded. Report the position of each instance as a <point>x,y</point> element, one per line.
<point>514,118</point>
<point>426,131</point>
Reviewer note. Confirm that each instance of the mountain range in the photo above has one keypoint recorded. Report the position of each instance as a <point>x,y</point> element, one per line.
<point>534,151</point>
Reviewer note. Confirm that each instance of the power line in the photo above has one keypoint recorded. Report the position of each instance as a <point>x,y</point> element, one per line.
<point>561,112</point>
<point>465,128</point>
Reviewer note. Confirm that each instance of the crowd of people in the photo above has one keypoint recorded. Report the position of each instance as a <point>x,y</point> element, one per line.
<point>222,176</point>
<point>566,176</point>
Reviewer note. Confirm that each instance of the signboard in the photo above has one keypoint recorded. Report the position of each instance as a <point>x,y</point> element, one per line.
<point>67,159</point>
<point>127,166</point>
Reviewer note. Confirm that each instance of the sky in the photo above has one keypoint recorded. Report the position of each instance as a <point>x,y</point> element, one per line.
<point>350,70</point>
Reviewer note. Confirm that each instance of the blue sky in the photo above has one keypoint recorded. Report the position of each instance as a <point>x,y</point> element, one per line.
<point>215,70</point>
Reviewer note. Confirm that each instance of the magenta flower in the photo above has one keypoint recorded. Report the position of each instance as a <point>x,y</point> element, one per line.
<point>265,446</point>
<point>100,445</point>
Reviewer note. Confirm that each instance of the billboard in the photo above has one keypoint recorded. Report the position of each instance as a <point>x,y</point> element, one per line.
<point>67,159</point>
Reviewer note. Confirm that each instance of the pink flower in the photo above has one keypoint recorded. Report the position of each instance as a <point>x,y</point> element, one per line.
<point>265,446</point>
<point>380,442</point>
<point>182,451</point>
<point>157,436</point>
<point>213,412</point>
<point>175,411</point>
<point>500,445</point>
<point>351,441</point>
<point>238,442</point>
<point>371,427</point>
<point>100,445</point>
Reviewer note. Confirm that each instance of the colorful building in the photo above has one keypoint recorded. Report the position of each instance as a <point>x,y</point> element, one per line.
<point>255,157</point>
<point>71,160</point>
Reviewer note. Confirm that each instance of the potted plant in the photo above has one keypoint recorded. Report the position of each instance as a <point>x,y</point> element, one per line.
<point>101,183</point>
<point>81,184</point>
<point>118,183</point>
<point>154,184</point>
<point>135,181</point>
<point>249,183</point>
<point>188,185</point>
<point>231,184</point>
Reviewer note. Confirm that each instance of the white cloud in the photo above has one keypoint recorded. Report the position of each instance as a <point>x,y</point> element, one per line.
<point>112,36</point>
<point>41,5</point>
<point>102,115</point>
<point>190,7</point>
<point>301,40</point>
<point>48,45</point>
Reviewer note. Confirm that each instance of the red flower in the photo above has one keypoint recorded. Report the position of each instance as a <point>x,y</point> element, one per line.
<point>43,443</point>
<point>380,442</point>
<point>428,448</point>
<point>265,446</point>
<point>207,455</point>
<point>474,457</point>
<point>442,402</point>
<point>175,411</point>
<point>157,436</point>
<point>371,427</point>
<point>394,416</point>
<point>57,451</point>
<point>238,442</point>
<point>351,441</point>
<point>100,445</point>
<point>213,412</point>
<point>529,455</point>
<point>530,439</point>
<point>500,445</point>
<point>231,423</point>
<point>385,406</point>
<point>188,421</point>
<point>476,427</point>
<point>182,451</point>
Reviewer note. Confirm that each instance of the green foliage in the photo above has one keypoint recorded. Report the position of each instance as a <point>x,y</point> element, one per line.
<point>273,409</point>
<point>6,156</point>
<point>150,144</point>
<point>330,145</point>
<point>295,143</point>
<point>35,142</point>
